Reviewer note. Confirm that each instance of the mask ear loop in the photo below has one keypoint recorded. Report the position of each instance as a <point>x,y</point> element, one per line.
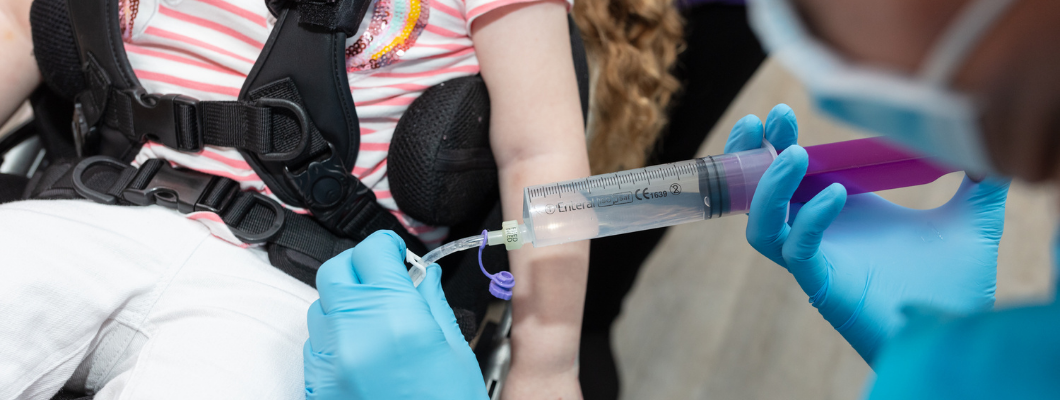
<point>957,42</point>
<point>501,283</point>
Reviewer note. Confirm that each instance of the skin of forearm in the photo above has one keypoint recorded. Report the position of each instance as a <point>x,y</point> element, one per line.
<point>537,135</point>
<point>547,304</point>
<point>18,69</point>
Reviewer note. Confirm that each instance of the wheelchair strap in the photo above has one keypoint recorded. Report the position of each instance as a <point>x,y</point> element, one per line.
<point>272,128</point>
<point>294,122</point>
<point>296,243</point>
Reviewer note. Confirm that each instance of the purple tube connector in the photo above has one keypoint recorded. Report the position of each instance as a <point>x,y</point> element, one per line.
<point>501,283</point>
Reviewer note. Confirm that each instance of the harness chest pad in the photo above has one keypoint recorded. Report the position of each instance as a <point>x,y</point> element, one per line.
<point>441,168</point>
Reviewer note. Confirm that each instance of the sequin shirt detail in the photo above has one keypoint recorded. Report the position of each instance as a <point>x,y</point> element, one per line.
<point>394,27</point>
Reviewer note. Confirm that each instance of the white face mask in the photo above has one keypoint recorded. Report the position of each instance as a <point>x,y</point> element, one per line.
<point>920,112</point>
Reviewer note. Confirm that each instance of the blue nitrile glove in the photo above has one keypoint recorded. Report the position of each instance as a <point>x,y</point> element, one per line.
<point>862,261</point>
<point>372,335</point>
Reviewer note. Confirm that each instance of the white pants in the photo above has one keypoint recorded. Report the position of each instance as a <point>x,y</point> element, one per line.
<point>141,303</point>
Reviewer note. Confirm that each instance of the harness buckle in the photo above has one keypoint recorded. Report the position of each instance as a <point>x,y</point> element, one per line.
<point>156,118</point>
<point>184,191</point>
<point>322,183</point>
<point>180,190</point>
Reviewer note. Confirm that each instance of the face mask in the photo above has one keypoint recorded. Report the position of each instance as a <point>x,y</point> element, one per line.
<point>919,112</point>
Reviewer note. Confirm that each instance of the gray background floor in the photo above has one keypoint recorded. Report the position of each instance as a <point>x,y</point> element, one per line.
<point>709,318</point>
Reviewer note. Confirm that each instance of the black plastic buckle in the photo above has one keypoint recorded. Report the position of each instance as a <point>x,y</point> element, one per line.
<point>155,118</point>
<point>181,190</point>
<point>184,190</point>
<point>303,126</point>
<point>322,183</point>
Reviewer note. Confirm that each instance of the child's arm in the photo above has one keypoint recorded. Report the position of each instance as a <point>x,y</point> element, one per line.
<point>18,69</point>
<point>537,136</point>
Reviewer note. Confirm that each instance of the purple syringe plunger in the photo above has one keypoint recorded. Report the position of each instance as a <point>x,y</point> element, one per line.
<point>863,166</point>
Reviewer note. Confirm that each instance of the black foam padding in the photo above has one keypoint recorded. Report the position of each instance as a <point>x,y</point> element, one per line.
<point>441,168</point>
<point>55,48</point>
<point>467,321</point>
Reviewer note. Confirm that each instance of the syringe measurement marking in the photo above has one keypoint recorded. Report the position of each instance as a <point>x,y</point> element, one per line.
<point>614,179</point>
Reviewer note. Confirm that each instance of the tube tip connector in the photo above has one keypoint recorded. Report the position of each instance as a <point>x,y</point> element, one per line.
<point>511,235</point>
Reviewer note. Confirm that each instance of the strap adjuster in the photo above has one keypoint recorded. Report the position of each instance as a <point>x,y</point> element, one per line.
<point>81,188</point>
<point>303,127</point>
<point>178,122</point>
<point>269,233</point>
<point>160,119</point>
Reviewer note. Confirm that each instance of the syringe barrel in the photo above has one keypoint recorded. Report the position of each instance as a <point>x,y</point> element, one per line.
<point>644,198</point>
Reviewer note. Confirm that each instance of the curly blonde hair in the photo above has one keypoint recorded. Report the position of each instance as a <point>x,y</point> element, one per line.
<point>632,46</point>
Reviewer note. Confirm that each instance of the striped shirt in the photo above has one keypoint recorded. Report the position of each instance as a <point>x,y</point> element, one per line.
<point>206,48</point>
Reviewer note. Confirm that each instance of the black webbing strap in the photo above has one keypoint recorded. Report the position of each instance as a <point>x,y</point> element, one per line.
<point>361,215</point>
<point>330,15</point>
<point>297,244</point>
<point>274,128</point>
<point>223,121</point>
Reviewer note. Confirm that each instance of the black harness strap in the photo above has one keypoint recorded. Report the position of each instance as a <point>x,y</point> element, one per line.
<point>271,122</point>
<point>303,244</point>
<point>294,122</point>
<point>275,129</point>
<point>330,16</point>
<point>106,67</point>
<point>313,60</point>
<point>305,57</point>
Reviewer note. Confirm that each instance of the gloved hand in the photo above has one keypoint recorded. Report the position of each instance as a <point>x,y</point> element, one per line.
<point>372,335</point>
<point>862,259</point>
